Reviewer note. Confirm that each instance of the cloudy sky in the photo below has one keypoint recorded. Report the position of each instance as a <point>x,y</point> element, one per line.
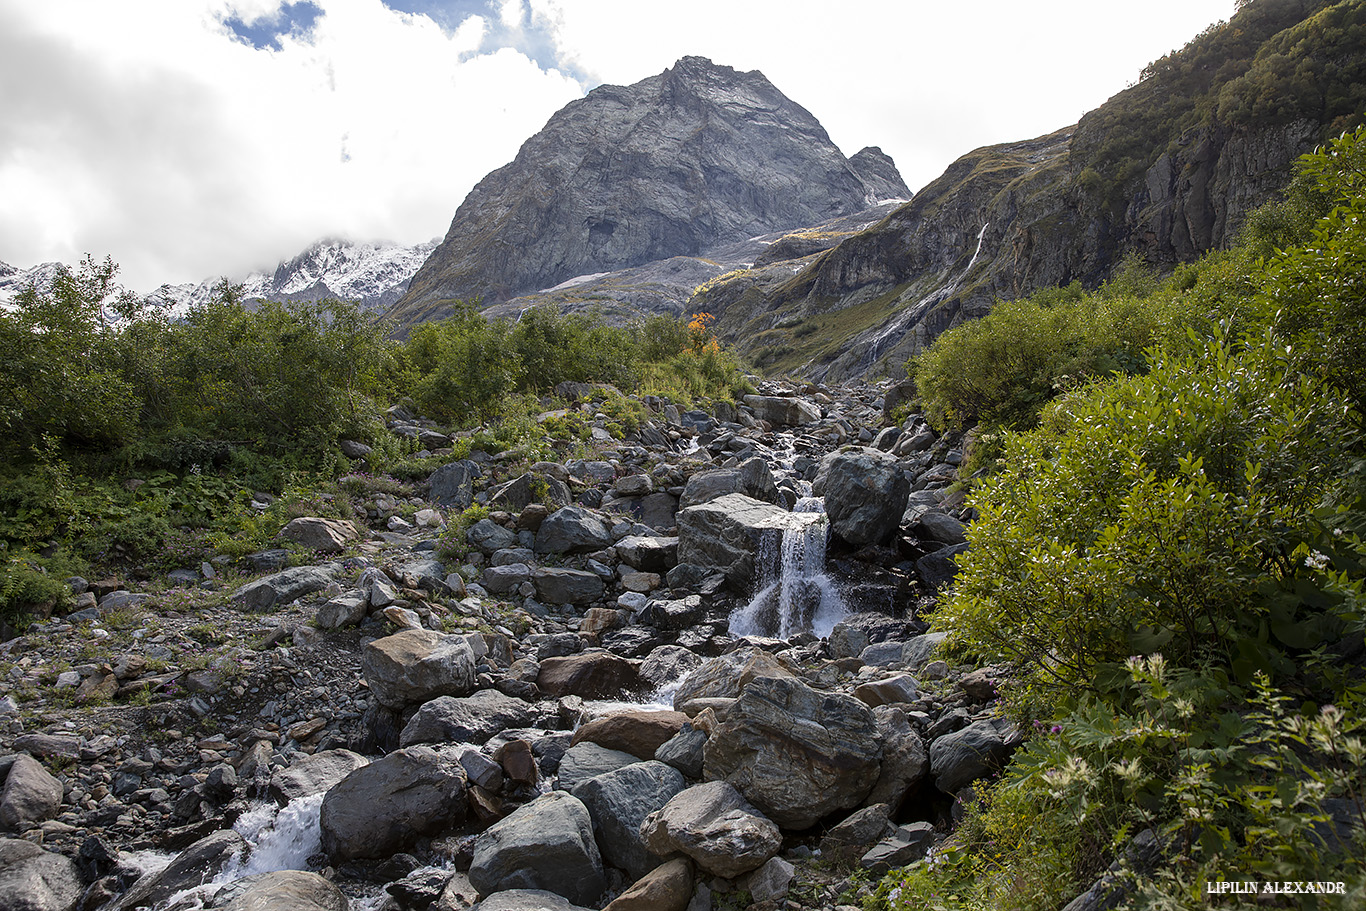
<point>199,138</point>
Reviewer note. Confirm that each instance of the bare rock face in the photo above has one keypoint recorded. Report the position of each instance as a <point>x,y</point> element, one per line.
<point>414,666</point>
<point>36,880</point>
<point>383,807</point>
<point>713,824</point>
<point>796,753</point>
<point>30,796</point>
<point>697,156</point>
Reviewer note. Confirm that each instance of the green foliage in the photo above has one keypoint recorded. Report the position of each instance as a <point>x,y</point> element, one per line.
<point>1001,369</point>
<point>1147,513</point>
<point>462,367</point>
<point>1227,780</point>
<point>452,543</point>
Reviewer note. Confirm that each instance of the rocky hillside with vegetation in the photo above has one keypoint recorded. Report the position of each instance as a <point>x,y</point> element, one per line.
<point>1166,170</point>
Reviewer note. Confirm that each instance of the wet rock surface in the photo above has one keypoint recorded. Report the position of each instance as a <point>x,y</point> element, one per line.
<point>569,674</point>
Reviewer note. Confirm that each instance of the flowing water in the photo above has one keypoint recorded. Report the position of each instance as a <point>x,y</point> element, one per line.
<point>794,593</point>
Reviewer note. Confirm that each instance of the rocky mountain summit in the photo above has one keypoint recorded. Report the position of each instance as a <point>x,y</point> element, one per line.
<point>579,700</point>
<point>694,158</point>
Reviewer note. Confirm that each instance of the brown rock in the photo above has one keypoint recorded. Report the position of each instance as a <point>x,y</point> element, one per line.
<point>519,765</point>
<point>639,733</point>
<point>592,675</point>
<point>666,888</point>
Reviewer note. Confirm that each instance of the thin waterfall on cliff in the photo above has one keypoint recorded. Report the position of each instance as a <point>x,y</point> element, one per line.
<point>794,594</point>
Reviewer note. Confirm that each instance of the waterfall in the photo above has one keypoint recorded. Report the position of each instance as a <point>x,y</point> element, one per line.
<point>794,593</point>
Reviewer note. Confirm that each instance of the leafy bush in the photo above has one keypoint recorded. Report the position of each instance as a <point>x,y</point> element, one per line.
<point>1147,512</point>
<point>1001,369</point>
<point>1221,790</point>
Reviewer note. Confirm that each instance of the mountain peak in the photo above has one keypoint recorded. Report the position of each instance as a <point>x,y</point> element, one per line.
<point>694,157</point>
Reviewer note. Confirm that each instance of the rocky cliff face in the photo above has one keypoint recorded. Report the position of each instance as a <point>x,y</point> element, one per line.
<point>696,157</point>
<point>1168,169</point>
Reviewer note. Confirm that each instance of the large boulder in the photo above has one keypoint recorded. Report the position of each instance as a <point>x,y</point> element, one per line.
<point>751,477</point>
<point>414,666</point>
<point>796,753</point>
<point>558,585</point>
<point>714,825</point>
<point>469,719</point>
<point>940,567</point>
<point>783,411</point>
<point>488,537</point>
<point>287,890</point>
<point>974,752</point>
<point>547,844</point>
<point>30,796</point>
<point>865,494</point>
<point>452,485</point>
<point>32,879</point>
<point>905,760</point>
<point>619,801</point>
<point>585,760</point>
<point>383,807</point>
<point>279,589</point>
<point>327,536</point>
<point>198,863</point>
<point>668,887</point>
<point>522,491</point>
<point>639,732</point>
<point>724,535</point>
<point>572,530</point>
<point>651,554</point>
<point>592,675</point>
<point>525,900</point>
<point>315,774</point>
<point>724,677</point>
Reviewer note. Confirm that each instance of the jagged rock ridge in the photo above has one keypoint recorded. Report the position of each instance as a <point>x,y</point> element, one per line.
<point>695,157</point>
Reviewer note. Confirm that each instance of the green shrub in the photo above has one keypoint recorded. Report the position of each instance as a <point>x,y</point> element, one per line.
<point>1146,513</point>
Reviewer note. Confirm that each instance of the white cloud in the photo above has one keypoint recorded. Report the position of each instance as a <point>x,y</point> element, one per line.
<point>143,129</point>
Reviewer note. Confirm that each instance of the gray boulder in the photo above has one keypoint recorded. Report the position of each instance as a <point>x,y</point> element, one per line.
<point>328,536</point>
<point>865,494</point>
<point>572,530</point>
<point>648,554</point>
<point>725,676</point>
<point>547,844</point>
<point>618,801</point>
<point>452,485</point>
<point>314,774</point>
<point>282,588</point>
<point>905,760</point>
<point>796,753</point>
<point>940,567</point>
<point>714,825</point>
<point>902,848</point>
<point>557,585</point>
<point>685,751</point>
<point>940,527</point>
<point>198,863</point>
<point>724,535</point>
<point>586,760</point>
<point>470,719</point>
<point>976,751</point>
<point>517,494</point>
<point>783,411</point>
<point>751,478</point>
<point>488,536</point>
<point>287,890</point>
<point>347,609</point>
<point>501,580</point>
<point>526,900</point>
<point>414,666</point>
<point>383,807</point>
<point>32,879</point>
<point>30,796</point>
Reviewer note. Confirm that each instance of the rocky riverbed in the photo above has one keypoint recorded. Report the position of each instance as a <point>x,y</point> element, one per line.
<point>583,704</point>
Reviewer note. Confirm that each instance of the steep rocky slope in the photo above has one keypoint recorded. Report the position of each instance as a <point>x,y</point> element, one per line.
<point>694,158</point>
<point>1167,169</point>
